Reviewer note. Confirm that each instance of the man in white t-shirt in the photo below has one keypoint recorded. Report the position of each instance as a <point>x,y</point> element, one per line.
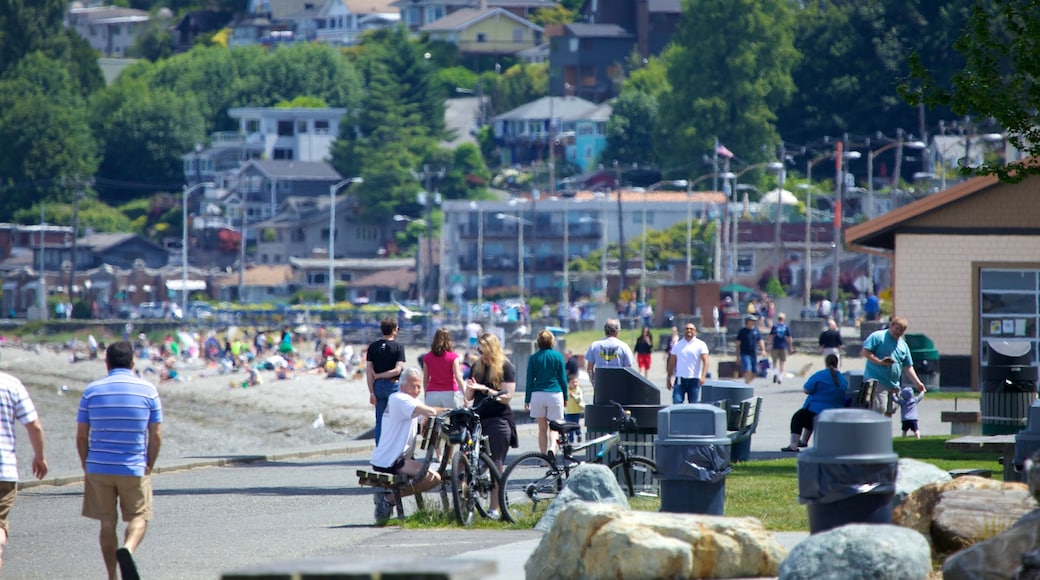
<point>473,330</point>
<point>688,363</point>
<point>393,453</point>
<point>609,351</point>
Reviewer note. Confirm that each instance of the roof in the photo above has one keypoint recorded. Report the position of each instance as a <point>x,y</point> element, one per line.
<point>664,6</point>
<point>111,14</point>
<point>461,19</point>
<point>371,264</point>
<point>528,4</point>
<point>268,275</point>
<point>398,279</point>
<point>563,108</point>
<point>880,232</point>
<point>102,242</point>
<point>597,30</point>
<point>295,170</point>
<point>369,6</point>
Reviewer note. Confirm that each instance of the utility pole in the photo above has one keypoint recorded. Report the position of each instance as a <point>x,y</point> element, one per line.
<point>621,232</point>
<point>79,193</point>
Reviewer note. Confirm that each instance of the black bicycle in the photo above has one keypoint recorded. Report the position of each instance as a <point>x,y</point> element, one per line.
<point>474,477</point>
<point>535,477</point>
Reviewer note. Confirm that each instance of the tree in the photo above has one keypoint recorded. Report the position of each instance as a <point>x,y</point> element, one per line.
<point>518,85</point>
<point>557,14</point>
<point>730,69</point>
<point>1001,49</point>
<point>631,129</point>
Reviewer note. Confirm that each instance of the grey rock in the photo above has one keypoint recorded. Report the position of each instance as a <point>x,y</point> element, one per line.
<point>860,552</point>
<point>914,474</point>
<point>589,482</point>
<point>997,557</point>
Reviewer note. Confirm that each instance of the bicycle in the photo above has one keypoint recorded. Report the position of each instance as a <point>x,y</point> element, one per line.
<point>535,477</point>
<point>474,476</point>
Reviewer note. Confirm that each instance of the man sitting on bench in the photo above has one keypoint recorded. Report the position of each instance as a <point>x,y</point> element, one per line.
<point>393,453</point>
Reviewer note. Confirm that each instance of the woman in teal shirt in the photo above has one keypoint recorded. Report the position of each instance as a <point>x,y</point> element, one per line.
<point>546,391</point>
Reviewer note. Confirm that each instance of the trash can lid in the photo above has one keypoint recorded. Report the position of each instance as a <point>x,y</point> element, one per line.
<point>1011,348</point>
<point>918,341</point>
<point>690,422</point>
<point>851,436</point>
<point>924,354</point>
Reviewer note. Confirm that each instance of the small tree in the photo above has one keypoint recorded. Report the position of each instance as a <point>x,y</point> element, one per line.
<point>775,288</point>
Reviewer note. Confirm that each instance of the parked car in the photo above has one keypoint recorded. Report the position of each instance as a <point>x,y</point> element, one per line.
<point>150,310</point>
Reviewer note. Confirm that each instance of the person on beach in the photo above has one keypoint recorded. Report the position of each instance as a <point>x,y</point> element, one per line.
<point>16,407</point>
<point>546,389</point>
<point>442,372</point>
<point>118,436</point>
<point>384,361</point>
<point>825,389</point>
<point>393,453</point>
<point>609,351</point>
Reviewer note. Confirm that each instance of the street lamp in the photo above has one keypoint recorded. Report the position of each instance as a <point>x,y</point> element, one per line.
<point>480,256</point>
<point>520,251</point>
<point>780,169</point>
<point>808,226</point>
<point>332,233</point>
<point>642,271</point>
<point>733,258</point>
<point>839,220</point>
<point>184,242</point>
<point>603,242</point>
<point>419,270</point>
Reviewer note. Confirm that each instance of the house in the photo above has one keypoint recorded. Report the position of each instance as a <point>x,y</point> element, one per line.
<point>313,273</point>
<point>966,269</point>
<point>342,22</point>
<point>195,24</point>
<point>301,229</point>
<point>418,13</point>
<point>267,22</point>
<point>262,186</point>
<point>535,54</point>
<point>292,134</point>
<point>524,134</point>
<point>259,285</point>
<point>110,30</point>
<point>119,250</point>
<point>383,286</point>
<point>487,31</point>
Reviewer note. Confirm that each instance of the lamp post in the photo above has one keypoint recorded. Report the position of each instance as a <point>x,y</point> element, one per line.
<point>184,243</point>
<point>426,199</point>
<point>332,233</point>
<point>419,269</point>
<point>642,271</point>
<point>808,227</point>
<point>565,302</point>
<point>480,255</point>
<point>603,242</point>
<point>899,144</point>
<point>839,220</point>
<point>733,259</point>
<point>778,167</point>
<point>520,251</point>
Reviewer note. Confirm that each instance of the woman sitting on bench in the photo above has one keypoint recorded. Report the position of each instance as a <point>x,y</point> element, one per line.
<point>825,390</point>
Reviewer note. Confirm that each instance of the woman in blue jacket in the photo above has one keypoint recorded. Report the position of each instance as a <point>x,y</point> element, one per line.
<point>825,390</point>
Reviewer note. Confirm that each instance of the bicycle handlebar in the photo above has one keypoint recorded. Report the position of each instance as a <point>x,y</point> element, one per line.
<point>625,421</point>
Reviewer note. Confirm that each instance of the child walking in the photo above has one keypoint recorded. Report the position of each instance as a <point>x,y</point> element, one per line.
<point>575,406</point>
<point>908,410</point>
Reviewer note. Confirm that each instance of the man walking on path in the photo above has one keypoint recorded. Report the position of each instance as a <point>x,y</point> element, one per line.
<point>830,340</point>
<point>783,344</point>
<point>383,366</point>
<point>749,346</point>
<point>688,362</point>
<point>118,438</point>
<point>609,351</point>
<point>15,405</point>
<point>888,358</point>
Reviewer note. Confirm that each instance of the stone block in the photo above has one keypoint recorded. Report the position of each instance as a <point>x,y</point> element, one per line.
<point>860,552</point>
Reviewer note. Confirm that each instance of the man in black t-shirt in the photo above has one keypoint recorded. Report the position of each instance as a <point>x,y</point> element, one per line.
<point>830,339</point>
<point>749,346</point>
<point>384,362</point>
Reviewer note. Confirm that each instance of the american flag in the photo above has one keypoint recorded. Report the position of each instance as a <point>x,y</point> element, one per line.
<point>721,151</point>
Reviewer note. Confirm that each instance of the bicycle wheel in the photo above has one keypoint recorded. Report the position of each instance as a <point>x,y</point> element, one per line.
<point>485,488</point>
<point>529,480</point>
<point>639,479</point>
<point>462,488</point>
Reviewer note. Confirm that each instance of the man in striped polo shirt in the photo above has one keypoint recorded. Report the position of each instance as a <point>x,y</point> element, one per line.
<point>16,407</point>
<point>118,438</point>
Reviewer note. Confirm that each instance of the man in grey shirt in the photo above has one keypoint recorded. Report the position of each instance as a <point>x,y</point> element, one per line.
<point>609,351</point>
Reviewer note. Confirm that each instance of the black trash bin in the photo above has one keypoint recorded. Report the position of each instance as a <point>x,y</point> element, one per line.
<point>926,360</point>
<point>1008,387</point>
<point>1027,441</point>
<point>733,393</point>
<point>692,459</point>
<point>849,474</point>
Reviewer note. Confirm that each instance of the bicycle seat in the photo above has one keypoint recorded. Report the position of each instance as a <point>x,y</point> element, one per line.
<point>563,427</point>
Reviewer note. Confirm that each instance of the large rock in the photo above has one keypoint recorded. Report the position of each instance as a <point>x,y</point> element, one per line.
<point>914,474</point>
<point>997,557</point>
<point>960,512</point>
<point>607,541</point>
<point>589,482</point>
<point>860,551</point>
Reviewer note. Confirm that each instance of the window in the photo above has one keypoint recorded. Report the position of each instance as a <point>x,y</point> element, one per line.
<point>481,38</point>
<point>285,128</point>
<point>518,35</point>
<point>301,127</point>
<point>321,127</point>
<point>573,45</point>
<point>1009,309</point>
<point>298,235</point>
<point>366,233</point>
<point>286,154</point>
<point>252,125</point>
<point>745,263</point>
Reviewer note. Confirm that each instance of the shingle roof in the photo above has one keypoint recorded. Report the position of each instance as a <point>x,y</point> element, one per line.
<point>597,30</point>
<point>460,19</point>
<point>296,170</point>
<point>398,279</point>
<point>664,6</point>
<point>564,108</point>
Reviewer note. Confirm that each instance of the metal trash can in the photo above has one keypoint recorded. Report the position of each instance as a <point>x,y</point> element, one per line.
<point>926,360</point>
<point>692,459</point>
<point>1027,441</point>
<point>1008,387</point>
<point>849,474</point>
<point>733,393</point>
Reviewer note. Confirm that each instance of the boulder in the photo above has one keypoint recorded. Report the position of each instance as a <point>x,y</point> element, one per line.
<point>589,482</point>
<point>860,551</point>
<point>959,512</point>
<point>997,557</point>
<point>590,540</point>
<point>914,474</point>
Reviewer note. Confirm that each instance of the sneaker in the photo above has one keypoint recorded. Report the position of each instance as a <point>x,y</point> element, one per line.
<point>127,568</point>
<point>493,514</point>
<point>384,509</point>
<point>803,443</point>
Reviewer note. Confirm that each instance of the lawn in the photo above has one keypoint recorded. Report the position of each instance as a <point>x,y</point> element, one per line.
<point>767,489</point>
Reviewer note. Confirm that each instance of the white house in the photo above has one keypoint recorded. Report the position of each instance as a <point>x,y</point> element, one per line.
<point>109,30</point>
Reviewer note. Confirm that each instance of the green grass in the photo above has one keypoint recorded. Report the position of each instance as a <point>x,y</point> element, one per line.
<point>951,395</point>
<point>767,489</point>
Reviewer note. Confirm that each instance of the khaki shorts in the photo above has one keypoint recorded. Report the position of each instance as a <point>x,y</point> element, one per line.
<point>445,399</point>
<point>8,491</point>
<point>779,354</point>
<point>101,492</point>
<point>548,405</point>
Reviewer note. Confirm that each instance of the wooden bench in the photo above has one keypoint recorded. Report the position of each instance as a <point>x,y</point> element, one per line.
<point>963,422</point>
<point>429,439</point>
<point>746,421</point>
<point>1002,444</point>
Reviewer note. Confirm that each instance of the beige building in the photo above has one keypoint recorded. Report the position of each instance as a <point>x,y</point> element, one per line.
<point>966,269</point>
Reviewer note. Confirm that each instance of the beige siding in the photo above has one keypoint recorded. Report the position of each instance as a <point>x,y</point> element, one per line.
<point>935,282</point>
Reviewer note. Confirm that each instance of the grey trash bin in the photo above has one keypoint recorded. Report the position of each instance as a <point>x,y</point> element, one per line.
<point>849,474</point>
<point>1027,441</point>
<point>1008,387</point>
<point>692,459</point>
<point>733,393</point>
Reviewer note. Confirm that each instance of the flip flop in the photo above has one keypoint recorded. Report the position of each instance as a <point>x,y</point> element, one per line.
<point>788,450</point>
<point>127,568</point>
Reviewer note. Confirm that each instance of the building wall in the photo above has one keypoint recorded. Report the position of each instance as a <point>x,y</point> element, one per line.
<point>935,282</point>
